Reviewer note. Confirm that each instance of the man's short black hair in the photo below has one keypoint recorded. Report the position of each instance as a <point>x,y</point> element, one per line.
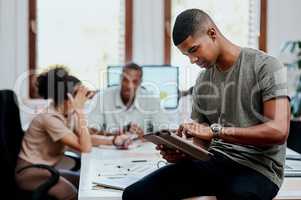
<point>133,66</point>
<point>188,23</point>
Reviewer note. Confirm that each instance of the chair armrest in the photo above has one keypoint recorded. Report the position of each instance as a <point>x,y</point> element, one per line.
<point>76,157</point>
<point>42,189</point>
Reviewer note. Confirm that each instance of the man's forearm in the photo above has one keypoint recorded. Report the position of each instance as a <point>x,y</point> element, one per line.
<point>268,133</point>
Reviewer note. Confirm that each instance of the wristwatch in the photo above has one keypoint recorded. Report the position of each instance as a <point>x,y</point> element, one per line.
<point>216,130</point>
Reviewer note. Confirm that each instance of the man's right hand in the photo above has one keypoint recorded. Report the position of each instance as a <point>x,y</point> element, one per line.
<point>122,141</point>
<point>171,155</point>
<point>136,129</point>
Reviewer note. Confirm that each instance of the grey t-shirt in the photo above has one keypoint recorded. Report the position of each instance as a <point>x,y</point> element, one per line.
<point>235,98</point>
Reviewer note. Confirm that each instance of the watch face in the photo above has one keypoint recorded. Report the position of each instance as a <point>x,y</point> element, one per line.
<point>215,128</point>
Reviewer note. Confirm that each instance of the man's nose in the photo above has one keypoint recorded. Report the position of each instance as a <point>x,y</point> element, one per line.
<point>192,59</point>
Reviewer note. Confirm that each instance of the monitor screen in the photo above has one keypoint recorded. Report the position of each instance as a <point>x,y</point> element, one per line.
<point>161,80</point>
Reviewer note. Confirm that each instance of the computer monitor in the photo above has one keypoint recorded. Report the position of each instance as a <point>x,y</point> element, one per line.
<point>113,75</point>
<point>161,80</point>
<point>294,137</point>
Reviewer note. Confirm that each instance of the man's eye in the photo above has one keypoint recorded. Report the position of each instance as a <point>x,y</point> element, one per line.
<point>193,49</point>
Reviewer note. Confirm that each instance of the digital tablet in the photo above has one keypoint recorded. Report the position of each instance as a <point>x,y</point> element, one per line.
<point>173,141</point>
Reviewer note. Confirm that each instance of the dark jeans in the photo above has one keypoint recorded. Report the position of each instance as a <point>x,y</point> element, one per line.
<point>219,176</point>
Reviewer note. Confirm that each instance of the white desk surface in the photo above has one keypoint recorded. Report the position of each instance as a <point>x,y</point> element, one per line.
<point>290,190</point>
<point>98,156</point>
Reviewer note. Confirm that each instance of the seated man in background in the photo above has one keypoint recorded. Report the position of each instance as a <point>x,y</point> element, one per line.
<point>128,108</point>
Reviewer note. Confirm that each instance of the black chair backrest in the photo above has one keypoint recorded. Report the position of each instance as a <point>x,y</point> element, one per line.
<point>11,135</point>
<point>294,138</point>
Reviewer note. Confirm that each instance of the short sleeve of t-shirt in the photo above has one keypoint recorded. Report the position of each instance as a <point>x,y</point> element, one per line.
<point>272,78</point>
<point>55,127</point>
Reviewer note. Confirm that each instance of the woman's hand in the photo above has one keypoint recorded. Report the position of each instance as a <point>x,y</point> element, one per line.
<point>80,98</point>
<point>195,129</point>
<point>82,140</point>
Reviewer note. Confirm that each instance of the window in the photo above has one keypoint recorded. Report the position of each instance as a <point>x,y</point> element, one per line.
<point>86,36</point>
<point>238,21</point>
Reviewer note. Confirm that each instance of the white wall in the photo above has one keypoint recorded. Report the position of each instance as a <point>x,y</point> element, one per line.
<point>8,43</point>
<point>13,43</point>
<point>283,23</point>
<point>148,32</point>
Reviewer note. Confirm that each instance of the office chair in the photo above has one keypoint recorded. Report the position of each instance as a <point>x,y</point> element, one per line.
<point>11,135</point>
<point>294,138</point>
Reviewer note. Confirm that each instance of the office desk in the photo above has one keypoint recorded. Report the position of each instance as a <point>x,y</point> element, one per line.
<point>291,189</point>
<point>89,162</point>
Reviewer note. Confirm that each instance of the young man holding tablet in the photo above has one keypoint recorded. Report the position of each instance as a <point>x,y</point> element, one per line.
<point>241,106</point>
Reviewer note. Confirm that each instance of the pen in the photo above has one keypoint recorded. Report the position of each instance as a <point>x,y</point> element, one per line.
<point>139,160</point>
<point>115,177</point>
<point>293,158</point>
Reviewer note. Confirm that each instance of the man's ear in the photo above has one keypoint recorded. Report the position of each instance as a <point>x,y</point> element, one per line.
<point>212,33</point>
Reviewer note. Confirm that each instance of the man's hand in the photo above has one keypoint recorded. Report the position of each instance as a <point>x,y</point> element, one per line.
<point>172,156</point>
<point>195,129</point>
<point>122,141</point>
<point>136,129</point>
<point>201,143</point>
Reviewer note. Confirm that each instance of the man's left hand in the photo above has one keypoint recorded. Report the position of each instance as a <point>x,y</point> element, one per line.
<point>197,130</point>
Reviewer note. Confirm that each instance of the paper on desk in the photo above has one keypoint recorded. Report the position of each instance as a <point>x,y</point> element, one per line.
<point>120,175</point>
<point>135,144</point>
<point>119,183</point>
<point>127,167</point>
<point>291,193</point>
